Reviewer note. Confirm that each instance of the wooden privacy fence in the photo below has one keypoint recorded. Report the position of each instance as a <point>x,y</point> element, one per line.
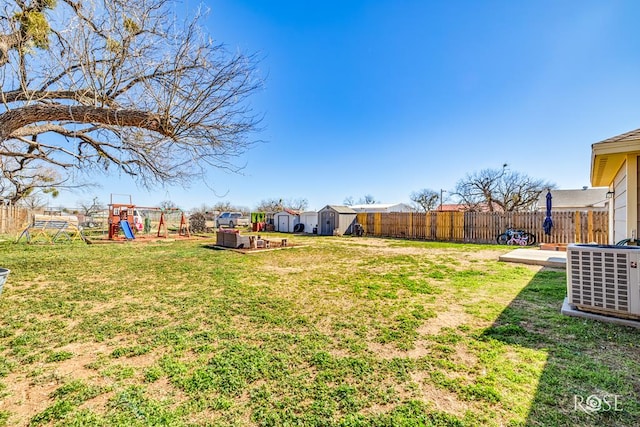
<point>484,227</point>
<point>12,218</point>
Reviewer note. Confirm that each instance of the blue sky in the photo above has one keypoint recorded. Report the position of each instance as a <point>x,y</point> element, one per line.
<point>386,97</point>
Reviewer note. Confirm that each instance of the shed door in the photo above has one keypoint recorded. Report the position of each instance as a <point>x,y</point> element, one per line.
<point>283,223</point>
<point>328,223</point>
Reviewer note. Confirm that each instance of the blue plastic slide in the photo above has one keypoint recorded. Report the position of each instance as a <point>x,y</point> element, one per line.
<point>126,229</point>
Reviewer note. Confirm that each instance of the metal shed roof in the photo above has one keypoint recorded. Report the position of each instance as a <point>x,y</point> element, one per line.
<point>340,209</point>
<point>382,207</point>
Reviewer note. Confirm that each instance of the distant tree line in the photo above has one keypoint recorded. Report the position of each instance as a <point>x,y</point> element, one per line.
<point>493,190</point>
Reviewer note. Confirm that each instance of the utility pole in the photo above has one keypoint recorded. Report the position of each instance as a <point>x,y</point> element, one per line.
<point>441,191</point>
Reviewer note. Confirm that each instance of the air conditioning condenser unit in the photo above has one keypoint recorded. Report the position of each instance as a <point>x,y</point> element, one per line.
<point>604,279</point>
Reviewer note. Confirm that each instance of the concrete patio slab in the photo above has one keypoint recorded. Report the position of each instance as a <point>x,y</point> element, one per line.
<point>555,259</point>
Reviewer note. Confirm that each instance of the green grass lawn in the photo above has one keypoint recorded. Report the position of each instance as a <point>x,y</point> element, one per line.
<point>336,332</point>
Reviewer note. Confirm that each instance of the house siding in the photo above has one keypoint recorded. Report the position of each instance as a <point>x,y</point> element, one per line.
<point>620,205</point>
<point>637,196</point>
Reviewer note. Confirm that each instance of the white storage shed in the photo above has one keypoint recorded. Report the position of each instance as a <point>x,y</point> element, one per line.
<point>285,221</point>
<point>309,221</point>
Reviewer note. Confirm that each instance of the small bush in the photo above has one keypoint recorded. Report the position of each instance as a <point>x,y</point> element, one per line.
<point>197,223</point>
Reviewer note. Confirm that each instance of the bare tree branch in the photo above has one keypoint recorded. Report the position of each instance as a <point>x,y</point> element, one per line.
<point>425,199</point>
<point>104,84</point>
<point>499,190</point>
<point>14,123</point>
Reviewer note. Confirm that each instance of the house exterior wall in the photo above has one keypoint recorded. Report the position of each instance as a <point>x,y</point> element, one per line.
<point>637,194</point>
<point>632,196</point>
<point>614,163</point>
<point>620,206</point>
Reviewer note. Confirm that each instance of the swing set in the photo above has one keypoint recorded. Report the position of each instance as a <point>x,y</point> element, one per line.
<point>163,229</point>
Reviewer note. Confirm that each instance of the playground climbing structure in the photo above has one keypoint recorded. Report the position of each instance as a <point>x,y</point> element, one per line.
<point>52,229</point>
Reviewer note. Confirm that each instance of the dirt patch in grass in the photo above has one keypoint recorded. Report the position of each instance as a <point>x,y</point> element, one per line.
<point>451,318</point>
<point>464,357</point>
<point>99,403</point>
<point>28,395</point>
<point>25,398</point>
<point>163,390</point>
<point>441,399</point>
<point>390,351</point>
<point>84,354</point>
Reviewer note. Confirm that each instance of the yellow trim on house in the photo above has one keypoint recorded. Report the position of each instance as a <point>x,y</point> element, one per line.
<point>608,157</point>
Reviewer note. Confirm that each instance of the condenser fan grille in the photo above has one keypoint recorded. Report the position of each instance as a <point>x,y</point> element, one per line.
<point>599,279</point>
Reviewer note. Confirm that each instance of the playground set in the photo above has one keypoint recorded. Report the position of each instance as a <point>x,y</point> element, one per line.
<point>124,223</point>
<point>125,218</point>
<point>52,229</point>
